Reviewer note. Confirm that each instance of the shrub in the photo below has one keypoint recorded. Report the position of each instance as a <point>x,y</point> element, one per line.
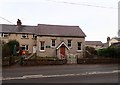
<point>6,50</point>
<point>113,52</point>
<point>90,52</point>
<point>12,44</point>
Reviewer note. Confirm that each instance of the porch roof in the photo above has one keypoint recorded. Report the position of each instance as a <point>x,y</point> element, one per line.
<point>62,43</point>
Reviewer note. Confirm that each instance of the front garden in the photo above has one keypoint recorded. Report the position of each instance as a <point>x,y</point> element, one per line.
<point>10,57</point>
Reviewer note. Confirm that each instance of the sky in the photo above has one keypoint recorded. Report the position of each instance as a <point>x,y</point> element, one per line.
<point>97,18</point>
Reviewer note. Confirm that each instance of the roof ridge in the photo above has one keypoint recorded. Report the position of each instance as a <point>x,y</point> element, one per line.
<point>22,25</point>
<point>59,25</point>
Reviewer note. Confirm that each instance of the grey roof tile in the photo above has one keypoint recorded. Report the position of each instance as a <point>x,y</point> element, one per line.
<point>93,43</point>
<point>60,30</point>
<point>15,29</point>
<point>43,29</point>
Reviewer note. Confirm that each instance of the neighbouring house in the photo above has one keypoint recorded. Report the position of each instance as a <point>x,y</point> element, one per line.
<point>46,40</point>
<point>116,44</point>
<point>114,40</point>
<point>25,35</point>
<point>95,44</point>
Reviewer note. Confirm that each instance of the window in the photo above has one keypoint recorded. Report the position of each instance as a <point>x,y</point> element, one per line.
<point>42,46</point>
<point>79,46</point>
<point>53,42</point>
<point>69,43</point>
<point>5,34</point>
<point>24,47</point>
<point>34,36</point>
<point>24,36</point>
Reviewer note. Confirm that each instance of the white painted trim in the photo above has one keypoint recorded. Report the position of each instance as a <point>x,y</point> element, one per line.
<point>26,36</point>
<point>42,50</point>
<point>62,44</point>
<point>51,43</point>
<point>71,43</point>
<point>40,47</point>
<point>81,48</point>
<point>5,34</point>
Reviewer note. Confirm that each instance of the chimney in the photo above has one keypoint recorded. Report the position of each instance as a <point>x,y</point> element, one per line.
<point>19,23</point>
<point>108,39</point>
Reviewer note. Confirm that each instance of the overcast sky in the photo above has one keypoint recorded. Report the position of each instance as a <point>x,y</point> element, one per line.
<point>97,18</point>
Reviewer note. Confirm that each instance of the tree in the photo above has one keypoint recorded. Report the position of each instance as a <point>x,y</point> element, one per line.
<point>5,50</point>
<point>13,45</point>
<point>90,52</point>
<point>8,51</point>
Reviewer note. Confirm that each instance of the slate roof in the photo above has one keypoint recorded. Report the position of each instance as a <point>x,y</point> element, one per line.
<point>117,38</point>
<point>116,44</point>
<point>60,30</point>
<point>43,29</point>
<point>99,43</point>
<point>15,29</point>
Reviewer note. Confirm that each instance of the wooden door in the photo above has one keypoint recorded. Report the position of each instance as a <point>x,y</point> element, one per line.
<point>62,50</point>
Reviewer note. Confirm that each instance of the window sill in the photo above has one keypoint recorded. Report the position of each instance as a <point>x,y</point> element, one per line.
<point>70,47</point>
<point>53,46</point>
<point>42,50</point>
<point>24,38</point>
<point>79,51</point>
<point>34,38</point>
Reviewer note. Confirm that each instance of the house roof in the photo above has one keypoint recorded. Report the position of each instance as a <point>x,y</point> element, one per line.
<point>116,44</point>
<point>116,38</point>
<point>60,30</point>
<point>43,29</point>
<point>15,29</point>
<point>93,43</point>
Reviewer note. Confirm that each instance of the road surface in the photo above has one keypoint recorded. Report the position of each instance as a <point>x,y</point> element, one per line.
<point>62,74</point>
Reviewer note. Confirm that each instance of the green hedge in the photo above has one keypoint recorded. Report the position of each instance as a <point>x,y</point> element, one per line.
<point>98,61</point>
<point>112,52</point>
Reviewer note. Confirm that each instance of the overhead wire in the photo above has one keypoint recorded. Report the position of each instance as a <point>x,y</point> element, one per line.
<point>83,4</point>
<point>6,20</point>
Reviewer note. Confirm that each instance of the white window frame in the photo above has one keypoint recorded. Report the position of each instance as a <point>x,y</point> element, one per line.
<point>80,47</point>
<point>24,36</point>
<point>69,43</point>
<point>25,46</point>
<point>40,46</point>
<point>34,36</point>
<point>0,34</point>
<point>52,43</point>
<point>5,34</point>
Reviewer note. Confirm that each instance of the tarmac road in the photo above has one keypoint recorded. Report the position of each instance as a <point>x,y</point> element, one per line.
<point>62,74</point>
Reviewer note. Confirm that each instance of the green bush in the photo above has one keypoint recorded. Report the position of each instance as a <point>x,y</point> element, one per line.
<point>12,44</point>
<point>112,52</point>
<point>6,50</point>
